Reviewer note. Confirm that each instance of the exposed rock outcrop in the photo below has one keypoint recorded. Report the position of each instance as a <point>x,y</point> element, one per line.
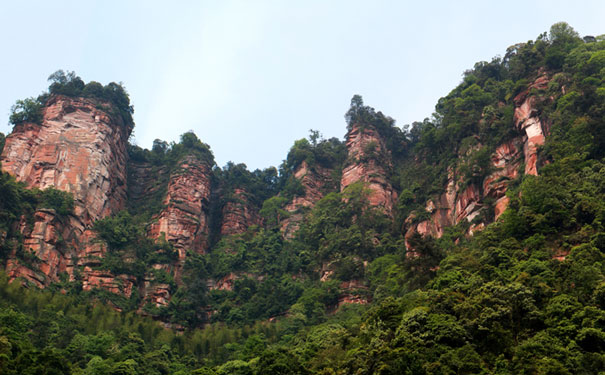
<point>238,214</point>
<point>465,202</point>
<point>527,119</point>
<point>146,183</point>
<point>313,181</point>
<point>184,220</point>
<point>78,147</point>
<point>368,161</point>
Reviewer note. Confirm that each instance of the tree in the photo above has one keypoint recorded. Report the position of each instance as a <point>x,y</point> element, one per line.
<point>272,210</point>
<point>26,110</point>
<point>561,32</point>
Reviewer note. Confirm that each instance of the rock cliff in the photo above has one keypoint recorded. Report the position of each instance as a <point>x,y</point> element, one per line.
<point>79,147</point>
<point>314,181</point>
<point>466,202</point>
<point>238,214</point>
<point>369,161</point>
<point>527,119</point>
<point>184,220</point>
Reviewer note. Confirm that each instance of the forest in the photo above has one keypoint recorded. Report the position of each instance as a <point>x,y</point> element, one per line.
<point>523,295</point>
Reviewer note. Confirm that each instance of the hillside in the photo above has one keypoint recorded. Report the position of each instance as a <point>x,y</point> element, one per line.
<point>470,242</point>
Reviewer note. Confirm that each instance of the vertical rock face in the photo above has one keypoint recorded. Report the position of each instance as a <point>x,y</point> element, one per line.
<point>184,220</point>
<point>238,214</point>
<point>368,161</point>
<point>313,181</point>
<point>460,202</point>
<point>79,148</point>
<point>526,119</point>
<point>465,203</point>
<point>505,163</point>
<point>145,183</point>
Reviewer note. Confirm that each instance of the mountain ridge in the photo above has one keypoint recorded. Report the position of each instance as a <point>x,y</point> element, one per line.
<point>464,243</point>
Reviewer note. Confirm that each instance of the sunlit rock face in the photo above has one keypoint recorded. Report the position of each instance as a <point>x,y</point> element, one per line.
<point>367,161</point>
<point>184,220</point>
<point>80,148</point>
<point>465,202</point>
<point>527,119</point>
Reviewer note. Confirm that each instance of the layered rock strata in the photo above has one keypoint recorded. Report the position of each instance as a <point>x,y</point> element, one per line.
<point>184,220</point>
<point>238,214</point>
<point>313,181</point>
<point>368,161</point>
<point>460,202</point>
<point>79,148</point>
<point>526,118</point>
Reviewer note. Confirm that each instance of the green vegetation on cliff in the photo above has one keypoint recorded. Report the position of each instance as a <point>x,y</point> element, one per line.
<point>69,84</point>
<point>525,295</point>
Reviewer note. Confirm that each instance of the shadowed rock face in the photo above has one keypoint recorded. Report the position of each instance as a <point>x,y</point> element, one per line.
<point>368,161</point>
<point>238,214</point>
<point>79,148</point>
<point>466,202</point>
<point>313,181</point>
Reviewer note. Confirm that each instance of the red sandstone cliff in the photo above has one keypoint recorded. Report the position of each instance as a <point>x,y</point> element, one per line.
<point>460,202</point>
<point>313,181</point>
<point>238,214</point>
<point>79,147</point>
<point>527,119</point>
<point>184,220</point>
<point>368,161</point>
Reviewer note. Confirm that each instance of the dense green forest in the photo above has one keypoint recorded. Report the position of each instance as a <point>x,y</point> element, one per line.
<point>498,302</point>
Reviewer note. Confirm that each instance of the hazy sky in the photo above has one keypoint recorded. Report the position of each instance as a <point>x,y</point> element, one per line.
<point>251,77</point>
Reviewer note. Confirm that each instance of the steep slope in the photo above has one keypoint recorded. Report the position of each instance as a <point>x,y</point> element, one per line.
<point>499,196</point>
<point>238,214</point>
<point>314,181</point>
<point>80,148</point>
<point>483,200</point>
<point>369,161</point>
<point>184,220</point>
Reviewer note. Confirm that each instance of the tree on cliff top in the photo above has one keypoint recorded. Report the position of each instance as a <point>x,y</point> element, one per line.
<point>26,110</point>
<point>69,84</point>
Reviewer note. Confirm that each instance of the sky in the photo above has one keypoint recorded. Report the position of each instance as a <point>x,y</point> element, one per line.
<point>251,77</point>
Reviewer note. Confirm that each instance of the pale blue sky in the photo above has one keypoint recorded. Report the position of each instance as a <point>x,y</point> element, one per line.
<point>250,77</point>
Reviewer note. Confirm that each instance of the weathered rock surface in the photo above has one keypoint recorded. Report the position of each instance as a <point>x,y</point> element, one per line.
<point>527,119</point>
<point>120,284</point>
<point>354,291</point>
<point>313,181</point>
<point>460,202</point>
<point>145,183</point>
<point>238,214</point>
<point>368,161</point>
<point>79,148</point>
<point>184,220</point>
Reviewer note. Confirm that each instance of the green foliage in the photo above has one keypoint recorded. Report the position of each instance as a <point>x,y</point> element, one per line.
<point>60,201</point>
<point>316,151</point>
<point>526,295</point>
<point>26,110</point>
<point>69,84</point>
<point>131,252</point>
